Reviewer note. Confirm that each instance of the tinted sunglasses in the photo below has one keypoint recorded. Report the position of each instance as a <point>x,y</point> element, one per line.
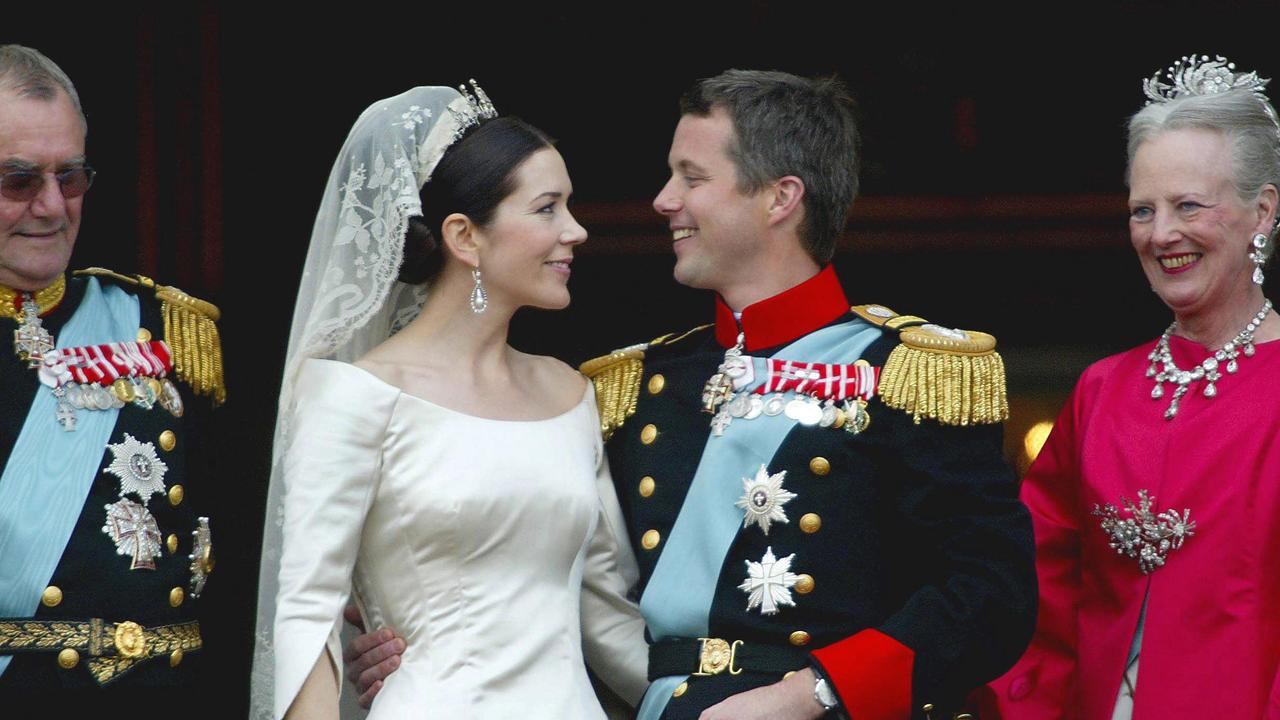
<point>25,185</point>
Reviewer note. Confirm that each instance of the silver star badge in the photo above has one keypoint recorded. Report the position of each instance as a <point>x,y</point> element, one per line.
<point>763,497</point>
<point>140,470</point>
<point>769,582</point>
<point>134,531</point>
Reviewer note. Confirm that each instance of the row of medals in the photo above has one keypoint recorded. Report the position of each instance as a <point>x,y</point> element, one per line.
<point>849,414</point>
<point>145,392</point>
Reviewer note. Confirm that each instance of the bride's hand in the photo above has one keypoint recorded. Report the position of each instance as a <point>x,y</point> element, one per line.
<point>370,657</point>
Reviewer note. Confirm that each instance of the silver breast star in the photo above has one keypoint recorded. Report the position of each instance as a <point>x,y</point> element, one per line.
<point>762,499</point>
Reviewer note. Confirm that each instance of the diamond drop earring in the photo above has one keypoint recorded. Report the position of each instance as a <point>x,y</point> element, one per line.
<point>479,298</point>
<point>1256,255</point>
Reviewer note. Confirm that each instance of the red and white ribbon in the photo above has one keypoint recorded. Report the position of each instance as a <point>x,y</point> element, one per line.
<point>104,364</point>
<point>824,381</point>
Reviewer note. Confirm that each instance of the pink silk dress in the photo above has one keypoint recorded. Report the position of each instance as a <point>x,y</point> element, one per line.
<point>1211,640</point>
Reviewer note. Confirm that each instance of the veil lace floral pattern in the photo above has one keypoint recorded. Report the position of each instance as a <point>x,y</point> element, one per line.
<point>350,299</point>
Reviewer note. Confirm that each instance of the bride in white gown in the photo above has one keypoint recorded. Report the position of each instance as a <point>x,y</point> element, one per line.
<point>457,483</point>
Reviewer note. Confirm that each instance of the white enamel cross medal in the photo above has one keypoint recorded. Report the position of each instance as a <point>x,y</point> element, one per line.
<point>31,340</point>
<point>762,499</point>
<point>769,582</point>
<point>134,531</point>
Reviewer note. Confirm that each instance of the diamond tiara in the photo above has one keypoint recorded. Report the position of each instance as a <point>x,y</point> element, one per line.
<point>479,107</point>
<point>1199,76</point>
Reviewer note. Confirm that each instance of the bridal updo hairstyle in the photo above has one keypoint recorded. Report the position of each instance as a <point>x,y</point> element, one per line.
<point>472,178</point>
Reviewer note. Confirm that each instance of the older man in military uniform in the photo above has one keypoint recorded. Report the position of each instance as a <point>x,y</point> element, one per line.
<point>816,494</point>
<point>102,552</point>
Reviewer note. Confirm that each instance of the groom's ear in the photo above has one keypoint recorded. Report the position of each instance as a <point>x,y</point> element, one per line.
<point>461,239</point>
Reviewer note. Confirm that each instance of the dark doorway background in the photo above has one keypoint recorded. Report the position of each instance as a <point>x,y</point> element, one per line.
<point>993,193</point>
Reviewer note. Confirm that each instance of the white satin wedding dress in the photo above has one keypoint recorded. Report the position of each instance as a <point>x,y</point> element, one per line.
<point>493,547</point>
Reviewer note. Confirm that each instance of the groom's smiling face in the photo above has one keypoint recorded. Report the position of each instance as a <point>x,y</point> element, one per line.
<point>716,229</point>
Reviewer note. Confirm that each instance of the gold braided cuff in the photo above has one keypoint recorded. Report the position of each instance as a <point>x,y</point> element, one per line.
<point>955,379</point>
<point>113,648</point>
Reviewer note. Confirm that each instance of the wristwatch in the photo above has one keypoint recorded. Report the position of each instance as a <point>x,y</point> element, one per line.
<point>825,696</point>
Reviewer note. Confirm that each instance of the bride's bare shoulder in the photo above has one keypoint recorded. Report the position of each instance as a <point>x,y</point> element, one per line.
<point>394,369</point>
<point>561,380</point>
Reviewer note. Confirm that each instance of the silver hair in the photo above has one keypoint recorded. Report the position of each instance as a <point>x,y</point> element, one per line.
<point>28,73</point>
<point>1245,117</point>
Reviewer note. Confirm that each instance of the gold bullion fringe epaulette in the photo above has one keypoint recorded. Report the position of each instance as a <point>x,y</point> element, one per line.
<point>953,376</point>
<point>616,378</point>
<point>113,648</point>
<point>190,330</point>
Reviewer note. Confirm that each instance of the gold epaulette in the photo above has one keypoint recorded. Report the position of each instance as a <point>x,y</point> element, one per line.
<point>953,376</point>
<point>616,377</point>
<point>190,331</point>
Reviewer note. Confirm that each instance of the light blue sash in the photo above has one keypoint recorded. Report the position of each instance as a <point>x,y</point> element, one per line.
<point>677,600</point>
<point>50,471</point>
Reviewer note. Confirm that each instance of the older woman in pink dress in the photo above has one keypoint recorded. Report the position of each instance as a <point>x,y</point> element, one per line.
<point>1156,500</point>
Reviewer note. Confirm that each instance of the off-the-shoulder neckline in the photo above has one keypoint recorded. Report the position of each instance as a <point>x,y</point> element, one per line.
<point>586,395</point>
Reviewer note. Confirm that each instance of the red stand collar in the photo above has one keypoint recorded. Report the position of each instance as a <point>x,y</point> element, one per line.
<point>786,316</point>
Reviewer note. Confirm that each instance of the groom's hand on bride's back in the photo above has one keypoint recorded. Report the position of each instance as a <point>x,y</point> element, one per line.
<point>371,657</point>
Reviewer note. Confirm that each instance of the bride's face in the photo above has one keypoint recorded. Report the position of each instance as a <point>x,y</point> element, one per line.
<point>528,246</point>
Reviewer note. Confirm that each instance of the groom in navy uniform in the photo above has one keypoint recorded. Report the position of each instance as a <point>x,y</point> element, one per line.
<point>815,493</point>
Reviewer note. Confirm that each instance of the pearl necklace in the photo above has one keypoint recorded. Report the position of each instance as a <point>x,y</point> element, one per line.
<point>1207,369</point>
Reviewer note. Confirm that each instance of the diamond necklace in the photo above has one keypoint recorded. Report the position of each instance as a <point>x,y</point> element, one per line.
<point>1206,370</point>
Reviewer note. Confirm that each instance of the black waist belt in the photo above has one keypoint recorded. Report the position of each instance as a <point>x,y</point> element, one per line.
<point>113,648</point>
<point>712,656</point>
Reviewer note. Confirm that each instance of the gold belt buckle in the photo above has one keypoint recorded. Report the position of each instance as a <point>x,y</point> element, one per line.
<point>130,639</point>
<point>717,656</point>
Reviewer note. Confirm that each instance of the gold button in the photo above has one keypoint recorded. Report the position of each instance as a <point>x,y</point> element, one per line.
<point>928,707</point>
<point>648,434</point>
<point>176,493</point>
<point>68,658</point>
<point>804,584</point>
<point>819,466</point>
<point>650,539</point>
<point>646,486</point>
<point>788,674</point>
<point>51,596</point>
<point>810,522</point>
<point>799,637</point>
<point>656,383</point>
<point>171,542</point>
<point>684,685</point>
<point>168,440</point>
<point>144,335</point>
<point>175,657</point>
<point>176,596</point>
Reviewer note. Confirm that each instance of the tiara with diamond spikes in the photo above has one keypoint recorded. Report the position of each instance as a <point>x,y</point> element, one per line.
<point>479,107</point>
<point>1199,76</point>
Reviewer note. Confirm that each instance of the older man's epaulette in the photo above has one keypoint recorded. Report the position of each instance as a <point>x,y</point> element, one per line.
<point>616,377</point>
<point>955,377</point>
<point>190,331</point>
